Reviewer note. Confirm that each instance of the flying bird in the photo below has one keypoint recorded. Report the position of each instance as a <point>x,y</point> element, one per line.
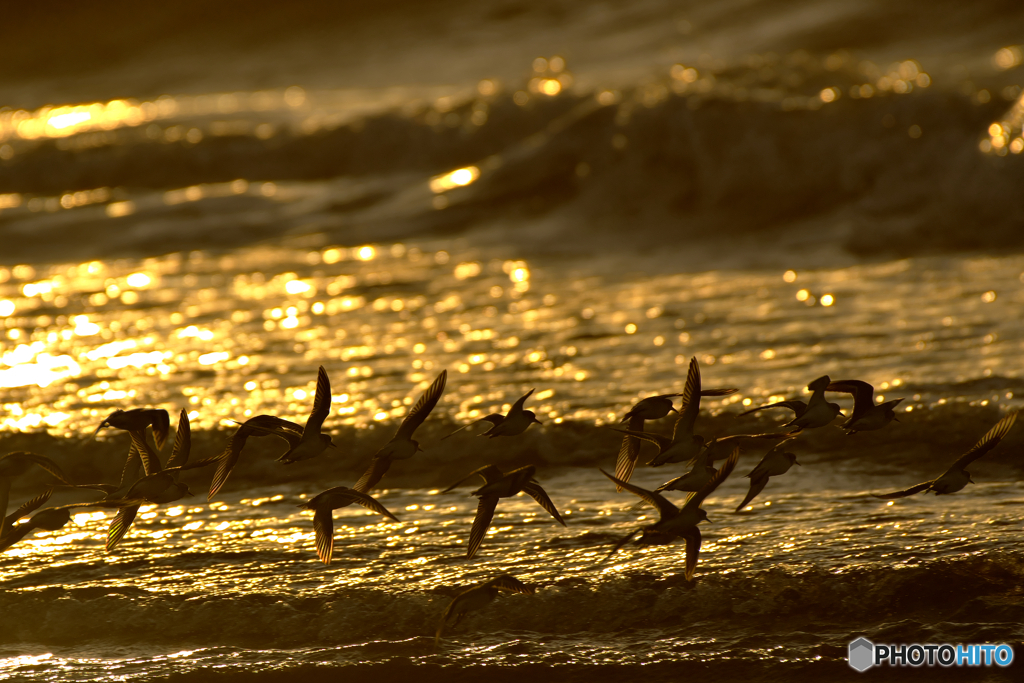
<point>325,503</point>
<point>676,522</point>
<point>956,477</point>
<point>260,425</point>
<point>866,415</point>
<point>402,446</point>
<point>137,419</point>
<point>498,485</point>
<point>774,463</point>
<point>478,597</point>
<point>16,464</point>
<point>513,424</point>
<point>817,412</point>
<point>156,488</point>
<point>653,408</point>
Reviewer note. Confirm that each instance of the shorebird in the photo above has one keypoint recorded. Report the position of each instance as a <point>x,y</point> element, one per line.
<point>684,444</point>
<point>50,519</point>
<point>157,487</point>
<point>325,503</point>
<point>956,477</point>
<point>676,522</point>
<point>261,425</point>
<point>402,446</point>
<point>137,419</point>
<point>774,463</point>
<point>513,424</point>
<point>817,412</point>
<point>653,408</point>
<point>478,597</point>
<point>866,415</point>
<point>14,465</point>
<point>498,485</point>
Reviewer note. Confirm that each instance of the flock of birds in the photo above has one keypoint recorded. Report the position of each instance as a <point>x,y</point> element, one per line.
<point>145,480</point>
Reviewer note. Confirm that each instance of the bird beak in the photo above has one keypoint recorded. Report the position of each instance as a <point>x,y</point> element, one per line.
<point>672,408</point>
<point>707,520</point>
<point>796,463</point>
<point>895,418</point>
<point>971,480</point>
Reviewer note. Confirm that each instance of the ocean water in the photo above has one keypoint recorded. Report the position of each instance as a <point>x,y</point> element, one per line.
<point>572,198</point>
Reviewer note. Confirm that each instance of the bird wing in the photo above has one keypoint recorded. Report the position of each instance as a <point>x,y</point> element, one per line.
<point>662,442</point>
<point>665,508</point>
<point>629,452</point>
<point>150,460</point>
<point>489,473</point>
<point>692,536</point>
<point>986,443</point>
<point>863,395</point>
<point>535,491</point>
<point>367,501</point>
<point>422,409</point>
<point>25,509</point>
<point>44,462</point>
<point>268,425</point>
<point>484,514</point>
<point>510,584</point>
<point>621,542</point>
<point>161,423</point>
<point>916,488</point>
<point>120,525</point>
<point>721,475</point>
<point>725,391</point>
<point>520,402</point>
<point>757,485</point>
<point>182,442</point>
<point>690,401</point>
<point>373,474</point>
<point>321,403</point>
<point>796,405</point>
<point>323,528</point>
<point>494,418</point>
<point>130,471</point>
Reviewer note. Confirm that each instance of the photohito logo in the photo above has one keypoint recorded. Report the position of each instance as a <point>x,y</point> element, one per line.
<point>863,654</point>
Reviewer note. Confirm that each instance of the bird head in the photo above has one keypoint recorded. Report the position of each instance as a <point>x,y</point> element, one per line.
<point>327,441</point>
<point>532,415</point>
<point>969,480</point>
<point>702,516</point>
<point>792,458</point>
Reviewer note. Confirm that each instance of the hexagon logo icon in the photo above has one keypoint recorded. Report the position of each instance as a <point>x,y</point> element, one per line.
<point>862,654</point>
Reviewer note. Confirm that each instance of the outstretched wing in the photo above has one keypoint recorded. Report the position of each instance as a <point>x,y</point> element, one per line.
<point>182,441</point>
<point>510,584</point>
<point>489,473</point>
<point>662,442</point>
<point>665,508</point>
<point>323,528</point>
<point>120,525</point>
<point>863,395</point>
<point>321,403</point>
<point>692,536</point>
<point>690,401</point>
<point>757,485</point>
<point>150,460</point>
<point>43,462</point>
<point>917,488</point>
<point>484,515</point>
<point>422,409</point>
<point>373,474</point>
<point>629,452</point>
<point>367,501</point>
<point>161,423</point>
<point>518,405</point>
<point>986,443</point>
<point>721,475</point>
<point>494,418</point>
<point>534,490</point>
<point>796,405</point>
<point>26,508</point>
